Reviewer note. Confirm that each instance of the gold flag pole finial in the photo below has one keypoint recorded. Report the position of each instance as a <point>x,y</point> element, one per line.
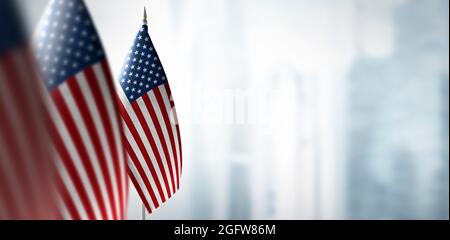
<point>145,16</point>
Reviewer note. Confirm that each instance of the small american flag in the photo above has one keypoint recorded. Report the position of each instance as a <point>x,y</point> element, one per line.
<point>26,190</point>
<point>152,135</point>
<point>85,124</point>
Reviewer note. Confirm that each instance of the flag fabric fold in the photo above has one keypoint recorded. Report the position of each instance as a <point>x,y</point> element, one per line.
<point>152,134</point>
<point>85,126</point>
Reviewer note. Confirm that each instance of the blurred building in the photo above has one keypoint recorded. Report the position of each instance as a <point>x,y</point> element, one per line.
<point>236,70</point>
<point>396,127</point>
<point>442,205</point>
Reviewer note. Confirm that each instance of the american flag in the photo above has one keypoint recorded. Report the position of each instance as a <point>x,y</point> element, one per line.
<point>152,135</point>
<point>26,190</point>
<point>85,124</point>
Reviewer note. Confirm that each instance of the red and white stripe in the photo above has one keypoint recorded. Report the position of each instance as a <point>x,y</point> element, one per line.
<point>152,140</point>
<point>86,133</point>
<point>26,164</point>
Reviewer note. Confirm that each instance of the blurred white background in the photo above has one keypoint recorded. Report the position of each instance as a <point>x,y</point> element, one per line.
<point>298,109</point>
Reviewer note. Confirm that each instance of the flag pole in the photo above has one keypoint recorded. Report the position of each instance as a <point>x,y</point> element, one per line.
<point>143,212</point>
<point>145,16</point>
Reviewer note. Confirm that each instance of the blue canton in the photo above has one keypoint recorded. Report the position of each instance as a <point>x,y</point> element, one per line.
<point>67,42</point>
<point>143,70</point>
<point>11,30</point>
